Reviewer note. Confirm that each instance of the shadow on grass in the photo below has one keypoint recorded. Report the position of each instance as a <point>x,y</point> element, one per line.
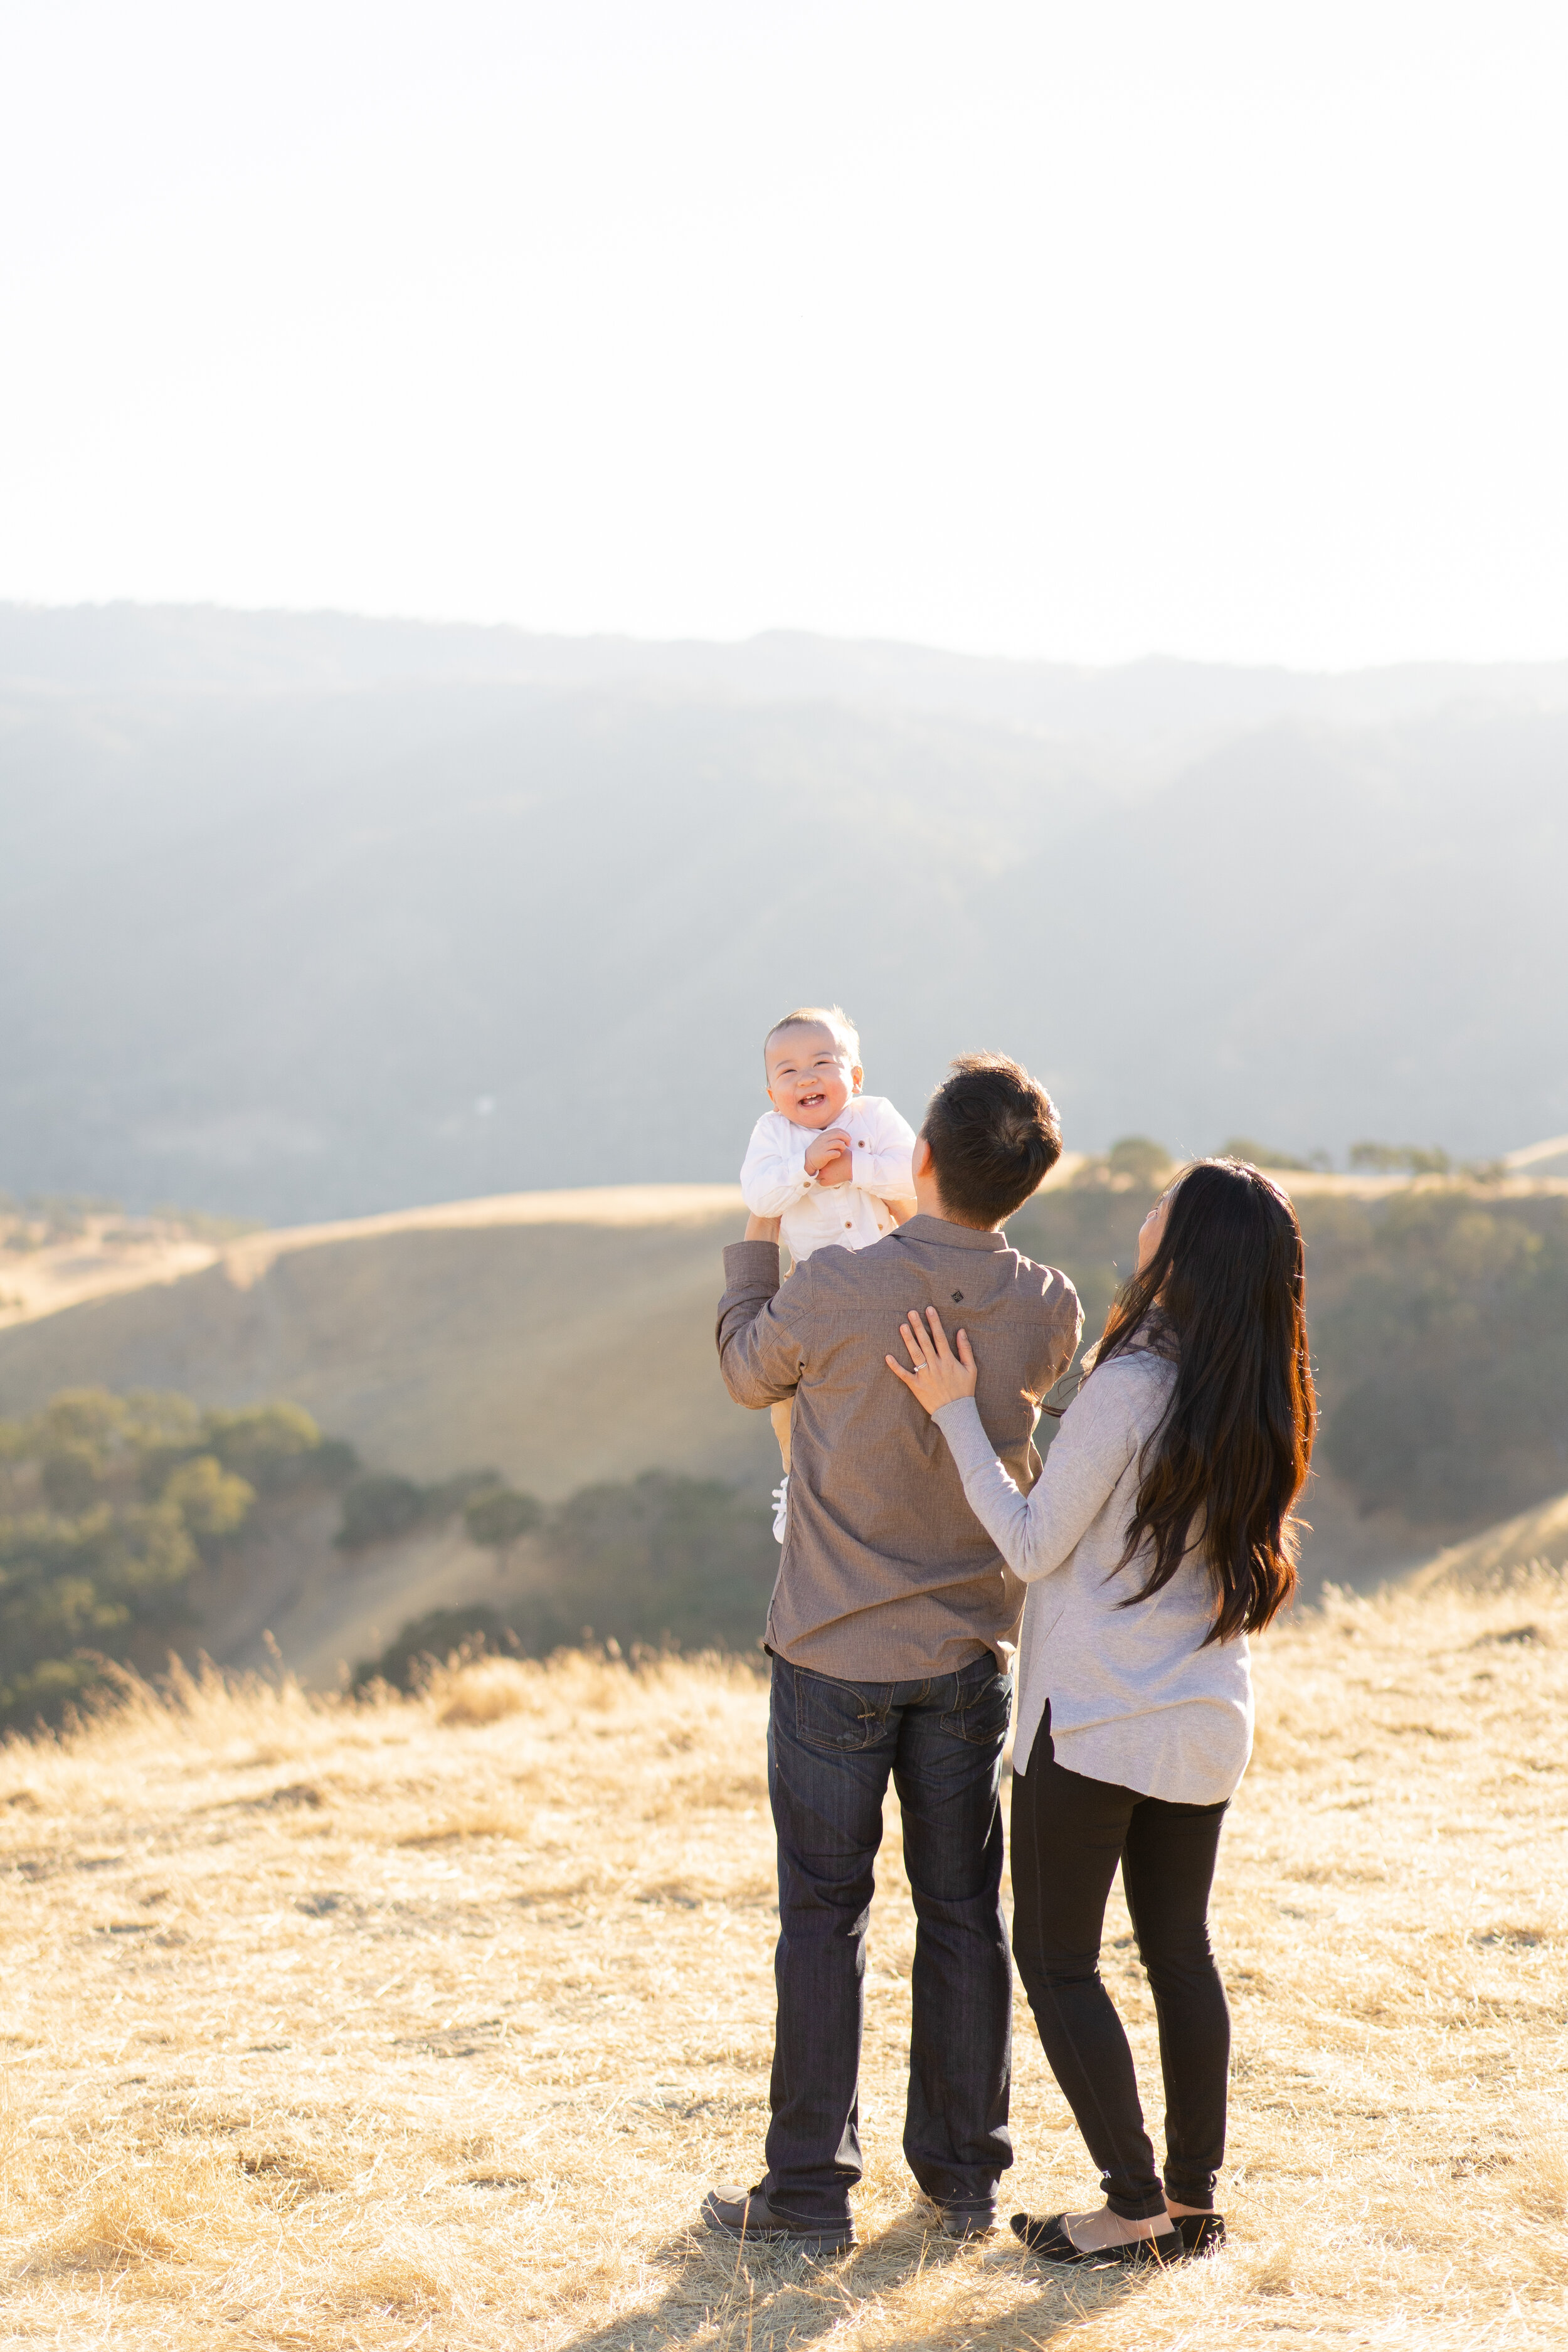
<point>736,2298</point>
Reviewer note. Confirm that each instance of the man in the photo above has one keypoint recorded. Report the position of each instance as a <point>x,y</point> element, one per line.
<point>891,1633</point>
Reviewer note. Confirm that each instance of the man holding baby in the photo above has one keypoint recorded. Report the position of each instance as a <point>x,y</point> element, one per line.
<point>891,1630</point>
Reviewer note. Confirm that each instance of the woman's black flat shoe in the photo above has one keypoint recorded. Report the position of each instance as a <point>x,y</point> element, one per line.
<point>1201,2233</point>
<point>1050,2240</point>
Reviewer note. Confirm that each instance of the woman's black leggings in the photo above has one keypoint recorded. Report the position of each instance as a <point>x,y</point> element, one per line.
<point>1068,1833</point>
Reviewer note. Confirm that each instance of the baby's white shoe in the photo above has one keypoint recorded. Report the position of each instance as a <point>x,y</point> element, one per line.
<point>781,1507</point>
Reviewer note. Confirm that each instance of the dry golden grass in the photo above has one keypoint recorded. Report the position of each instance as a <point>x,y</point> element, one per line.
<point>427,2024</point>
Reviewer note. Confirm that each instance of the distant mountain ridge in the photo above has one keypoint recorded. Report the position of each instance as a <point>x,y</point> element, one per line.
<point>120,648</point>
<point>305,916</point>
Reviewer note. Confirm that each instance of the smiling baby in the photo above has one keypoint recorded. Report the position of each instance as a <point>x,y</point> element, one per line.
<point>830,1162</point>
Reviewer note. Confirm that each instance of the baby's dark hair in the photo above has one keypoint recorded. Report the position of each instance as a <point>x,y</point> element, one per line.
<point>994,1134</point>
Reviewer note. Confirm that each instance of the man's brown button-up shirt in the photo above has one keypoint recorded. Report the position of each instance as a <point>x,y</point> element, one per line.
<point>886,1575</point>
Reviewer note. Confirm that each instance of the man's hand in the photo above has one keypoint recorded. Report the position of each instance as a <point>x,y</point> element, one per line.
<point>940,1376</point>
<point>828,1159</point>
<point>763,1229</point>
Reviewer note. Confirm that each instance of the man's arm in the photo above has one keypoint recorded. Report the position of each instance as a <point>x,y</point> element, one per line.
<point>760,1351</point>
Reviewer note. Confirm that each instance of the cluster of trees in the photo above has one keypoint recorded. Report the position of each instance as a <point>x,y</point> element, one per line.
<point>1140,1157</point>
<point>1440,1319</point>
<point>1263,1155</point>
<point>642,1563</point>
<point>108,1506</point>
<point>1401,1159</point>
<point>380,1507</point>
<point>44,1219</point>
<point>47,1217</point>
<point>1439,1323</point>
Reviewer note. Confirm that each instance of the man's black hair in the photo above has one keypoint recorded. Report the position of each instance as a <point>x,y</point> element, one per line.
<point>994,1134</point>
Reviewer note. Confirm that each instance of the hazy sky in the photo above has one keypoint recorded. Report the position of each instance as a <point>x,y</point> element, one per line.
<point>1215,327</point>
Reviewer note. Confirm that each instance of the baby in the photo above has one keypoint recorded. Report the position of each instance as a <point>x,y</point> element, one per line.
<point>831,1163</point>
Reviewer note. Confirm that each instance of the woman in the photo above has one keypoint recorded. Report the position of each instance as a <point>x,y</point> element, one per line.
<point>1156,1539</point>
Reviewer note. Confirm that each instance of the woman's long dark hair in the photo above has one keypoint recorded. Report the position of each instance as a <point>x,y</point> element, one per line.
<point>1228,1285</point>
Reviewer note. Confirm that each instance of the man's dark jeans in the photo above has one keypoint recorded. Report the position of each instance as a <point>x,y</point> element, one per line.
<point>831,1746</point>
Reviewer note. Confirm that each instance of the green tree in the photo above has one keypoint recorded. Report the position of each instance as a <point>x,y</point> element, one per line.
<point>112,1501</point>
<point>70,1586</point>
<point>212,1501</point>
<point>271,1445</point>
<point>15,1446</point>
<point>1405,1158</point>
<point>1140,1157</point>
<point>334,1463</point>
<point>431,1640</point>
<point>69,1477</point>
<point>1263,1155</point>
<point>161,1417</point>
<point>83,1417</point>
<point>1440,1322</point>
<point>655,1557</point>
<point>499,1517</point>
<point>162,1429</point>
<point>378,1509</point>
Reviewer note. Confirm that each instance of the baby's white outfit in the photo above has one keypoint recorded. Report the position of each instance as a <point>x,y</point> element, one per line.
<point>813,1216</point>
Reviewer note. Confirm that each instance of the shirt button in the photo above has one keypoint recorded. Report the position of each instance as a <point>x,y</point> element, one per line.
<point>847,1224</point>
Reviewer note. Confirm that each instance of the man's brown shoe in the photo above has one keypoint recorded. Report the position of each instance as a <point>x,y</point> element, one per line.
<point>745,2213</point>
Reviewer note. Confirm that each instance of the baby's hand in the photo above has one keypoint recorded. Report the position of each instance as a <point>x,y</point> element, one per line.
<point>833,1144</point>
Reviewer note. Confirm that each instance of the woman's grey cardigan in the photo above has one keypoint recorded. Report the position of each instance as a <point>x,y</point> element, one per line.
<point>1135,1697</point>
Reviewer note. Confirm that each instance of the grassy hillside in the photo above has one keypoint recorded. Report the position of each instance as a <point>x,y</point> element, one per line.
<point>563,1337</point>
<point>428,2024</point>
<point>1496,1558</point>
<point>565,1340</point>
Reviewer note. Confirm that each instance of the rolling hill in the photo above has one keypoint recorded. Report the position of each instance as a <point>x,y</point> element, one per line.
<point>564,1339</point>
<point>1502,1556</point>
